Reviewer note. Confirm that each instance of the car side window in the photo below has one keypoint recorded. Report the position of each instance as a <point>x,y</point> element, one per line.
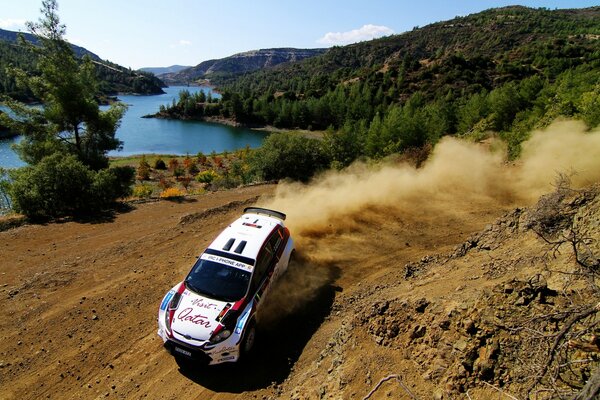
<point>265,258</point>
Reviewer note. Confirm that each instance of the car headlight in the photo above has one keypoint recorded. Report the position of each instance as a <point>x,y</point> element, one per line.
<point>219,337</point>
<point>173,304</point>
<point>175,301</point>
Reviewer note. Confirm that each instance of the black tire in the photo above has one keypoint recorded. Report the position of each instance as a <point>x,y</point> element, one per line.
<point>248,340</point>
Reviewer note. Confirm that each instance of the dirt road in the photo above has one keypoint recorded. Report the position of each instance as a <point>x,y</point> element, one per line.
<point>80,298</point>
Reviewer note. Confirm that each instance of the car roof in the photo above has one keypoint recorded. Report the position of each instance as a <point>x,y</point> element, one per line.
<point>246,235</point>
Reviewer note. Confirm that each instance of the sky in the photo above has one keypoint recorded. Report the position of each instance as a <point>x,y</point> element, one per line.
<point>160,33</point>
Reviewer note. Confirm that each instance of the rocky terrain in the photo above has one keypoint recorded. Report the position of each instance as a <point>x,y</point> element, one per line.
<point>467,303</point>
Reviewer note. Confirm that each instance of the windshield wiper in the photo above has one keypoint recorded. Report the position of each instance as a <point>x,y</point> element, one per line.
<point>192,287</point>
<point>206,293</point>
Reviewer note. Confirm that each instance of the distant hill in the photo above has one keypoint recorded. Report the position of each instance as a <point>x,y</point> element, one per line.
<point>113,78</point>
<point>11,37</point>
<point>165,70</point>
<point>241,63</point>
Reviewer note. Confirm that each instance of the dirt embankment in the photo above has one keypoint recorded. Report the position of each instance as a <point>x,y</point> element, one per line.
<point>381,289</point>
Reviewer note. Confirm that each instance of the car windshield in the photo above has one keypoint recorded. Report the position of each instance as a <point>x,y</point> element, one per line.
<point>218,281</point>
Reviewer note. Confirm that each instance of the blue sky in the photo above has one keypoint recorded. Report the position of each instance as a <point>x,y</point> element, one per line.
<point>154,33</point>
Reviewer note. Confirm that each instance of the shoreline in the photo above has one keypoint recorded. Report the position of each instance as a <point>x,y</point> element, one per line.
<point>235,124</point>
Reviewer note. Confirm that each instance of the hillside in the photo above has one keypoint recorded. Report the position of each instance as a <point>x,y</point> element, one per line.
<point>165,70</point>
<point>240,63</point>
<point>12,37</point>
<point>385,294</point>
<point>503,71</point>
<point>113,78</point>
<point>477,51</point>
<point>451,279</point>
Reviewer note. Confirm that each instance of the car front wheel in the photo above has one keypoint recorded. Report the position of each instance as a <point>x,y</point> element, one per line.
<point>249,339</point>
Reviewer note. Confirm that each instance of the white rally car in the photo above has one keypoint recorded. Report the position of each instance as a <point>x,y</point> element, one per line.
<point>210,317</point>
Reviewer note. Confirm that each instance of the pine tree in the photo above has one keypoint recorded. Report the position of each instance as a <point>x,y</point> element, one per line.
<point>71,120</point>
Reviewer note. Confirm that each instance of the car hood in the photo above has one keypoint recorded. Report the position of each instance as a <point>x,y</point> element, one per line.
<point>196,317</point>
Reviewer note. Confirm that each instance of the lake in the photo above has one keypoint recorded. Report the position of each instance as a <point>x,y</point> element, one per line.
<point>152,135</point>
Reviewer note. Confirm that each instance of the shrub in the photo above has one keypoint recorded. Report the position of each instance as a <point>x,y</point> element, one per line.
<point>201,158</point>
<point>160,164</point>
<point>173,164</point>
<point>187,162</point>
<point>143,191</point>
<point>226,181</point>
<point>164,183</point>
<point>287,155</point>
<point>178,172</point>
<point>206,176</point>
<point>111,184</point>
<point>171,193</point>
<point>63,186</point>
<point>193,169</point>
<point>143,170</point>
<point>185,181</point>
<point>217,162</point>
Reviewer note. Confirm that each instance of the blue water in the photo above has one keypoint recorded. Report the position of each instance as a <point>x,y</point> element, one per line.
<point>151,135</point>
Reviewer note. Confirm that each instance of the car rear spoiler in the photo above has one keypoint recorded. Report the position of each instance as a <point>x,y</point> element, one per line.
<point>265,211</point>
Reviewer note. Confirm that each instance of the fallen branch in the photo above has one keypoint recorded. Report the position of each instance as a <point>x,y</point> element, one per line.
<point>387,378</point>
<point>591,389</point>
<point>566,328</point>
<point>500,391</point>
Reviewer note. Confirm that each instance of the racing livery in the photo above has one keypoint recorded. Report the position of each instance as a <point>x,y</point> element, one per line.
<point>210,316</point>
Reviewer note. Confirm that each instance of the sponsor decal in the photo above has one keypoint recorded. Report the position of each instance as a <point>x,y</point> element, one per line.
<point>241,322</point>
<point>227,261</point>
<point>227,358</point>
<point>203,304</point>
<point>166,300</point>
<point>186,315</point>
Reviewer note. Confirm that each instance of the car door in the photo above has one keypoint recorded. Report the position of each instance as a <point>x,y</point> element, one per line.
<point>267,267</point>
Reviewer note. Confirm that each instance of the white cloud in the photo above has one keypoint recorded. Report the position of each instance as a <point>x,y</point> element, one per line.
<point>12,24</point>
<point>366,32</point>
<point>181,43</point>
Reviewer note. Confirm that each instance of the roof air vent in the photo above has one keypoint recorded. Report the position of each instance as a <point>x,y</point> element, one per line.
<point>240,247</point>
<point>228,245</point>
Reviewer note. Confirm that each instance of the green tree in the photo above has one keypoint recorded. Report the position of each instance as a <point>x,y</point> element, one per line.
<point>70,120</point>
<point>62,186</point>
<point>287,155</point>
<point>66,140</point>
<point>590,107</point>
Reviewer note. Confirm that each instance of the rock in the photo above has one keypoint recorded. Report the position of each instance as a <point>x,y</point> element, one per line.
<point>469,326</point>
<point>421,305</point>
<point>418,332</point>
<point>444,324</point>
<point>485,363</point>
<point>460,344</point>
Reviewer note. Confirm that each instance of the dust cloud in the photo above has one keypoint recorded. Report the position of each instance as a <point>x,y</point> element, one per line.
<point>328,217</point>
<point>456,175</point>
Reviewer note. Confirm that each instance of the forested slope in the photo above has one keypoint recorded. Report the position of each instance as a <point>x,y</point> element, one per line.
<point>507,70</point>
<point>113,78</point>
